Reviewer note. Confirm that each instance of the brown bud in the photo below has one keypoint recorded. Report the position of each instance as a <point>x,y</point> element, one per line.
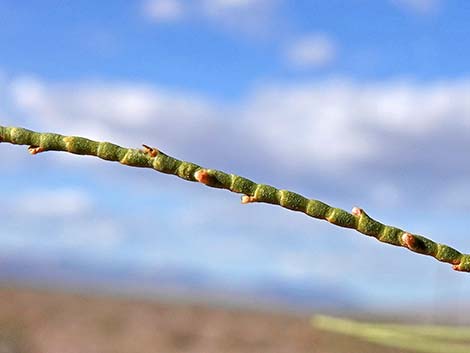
<point>408,240</point>
<point>356,211</point>
<point>202,176</point>
<point>248,199</point>
<point>35,149</point>
<point>152,152</point>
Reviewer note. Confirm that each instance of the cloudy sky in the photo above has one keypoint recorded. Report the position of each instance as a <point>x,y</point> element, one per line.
<point>355,103</point>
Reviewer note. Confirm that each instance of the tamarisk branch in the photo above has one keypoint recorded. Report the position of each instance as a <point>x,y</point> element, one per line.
<point>150,157</point>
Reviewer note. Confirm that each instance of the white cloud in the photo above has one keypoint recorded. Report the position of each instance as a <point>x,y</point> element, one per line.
<point>226,7</point>
<point>243,16</point>
<point>129,112</point>
<point>313,51</point>
<point>340,123</point>
<point>313,122</point>
<point>250,17</point>
<point>54,203</point>
<point>105,235</point>
<point>164,10</point>
<point>418,6</point>
<point>331,121</point>
<point>334,127</point>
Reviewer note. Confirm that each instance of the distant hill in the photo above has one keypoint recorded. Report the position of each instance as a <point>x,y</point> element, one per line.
<point>180,284</point>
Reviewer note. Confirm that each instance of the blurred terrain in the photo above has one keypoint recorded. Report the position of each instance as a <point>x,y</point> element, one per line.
<point>184,284</point>
<point>54,321</point>
<point>60,306</point>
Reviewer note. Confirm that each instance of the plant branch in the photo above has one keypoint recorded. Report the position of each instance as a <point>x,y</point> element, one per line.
<point>149,157</point>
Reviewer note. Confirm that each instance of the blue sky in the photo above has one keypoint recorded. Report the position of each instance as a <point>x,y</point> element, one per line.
<point>355,103</point>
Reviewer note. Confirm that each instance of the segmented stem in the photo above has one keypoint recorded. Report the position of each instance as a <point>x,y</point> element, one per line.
<point>150,157</point>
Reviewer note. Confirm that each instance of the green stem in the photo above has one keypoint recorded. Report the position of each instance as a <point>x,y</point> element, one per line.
<point>152,158</point>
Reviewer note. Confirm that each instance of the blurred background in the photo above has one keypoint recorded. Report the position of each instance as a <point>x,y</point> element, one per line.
<point>356,103</point>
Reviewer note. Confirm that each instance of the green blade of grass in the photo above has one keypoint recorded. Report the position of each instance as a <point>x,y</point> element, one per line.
<point>398,336</point>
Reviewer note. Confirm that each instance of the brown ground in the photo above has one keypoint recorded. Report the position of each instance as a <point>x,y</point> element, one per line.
<point>34,321</point>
